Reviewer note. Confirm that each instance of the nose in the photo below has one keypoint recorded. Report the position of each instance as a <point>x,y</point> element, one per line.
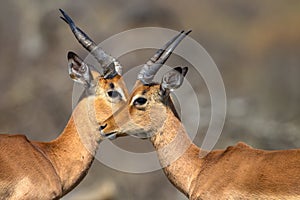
<point>102,127</point>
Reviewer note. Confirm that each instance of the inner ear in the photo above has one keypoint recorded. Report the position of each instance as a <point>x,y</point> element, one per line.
<point>78,70</point>
<point>173,79</point>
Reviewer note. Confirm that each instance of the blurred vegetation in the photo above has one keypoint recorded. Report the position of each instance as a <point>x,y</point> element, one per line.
<point>255,45</point>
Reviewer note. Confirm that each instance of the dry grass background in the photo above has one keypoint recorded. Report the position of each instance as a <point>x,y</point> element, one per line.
<point>255,45</point>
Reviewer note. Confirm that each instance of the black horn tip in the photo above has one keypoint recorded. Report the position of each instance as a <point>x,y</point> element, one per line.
<point>188,32</point>
<point>61,10</point>
<point>67,18</point>
<point>64,19</point>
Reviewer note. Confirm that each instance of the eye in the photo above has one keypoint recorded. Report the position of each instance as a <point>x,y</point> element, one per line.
<point>113,94</point>
<point>140,101</point>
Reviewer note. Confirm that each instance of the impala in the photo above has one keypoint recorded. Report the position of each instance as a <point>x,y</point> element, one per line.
<point>49,170</point>
<point>238,172</point>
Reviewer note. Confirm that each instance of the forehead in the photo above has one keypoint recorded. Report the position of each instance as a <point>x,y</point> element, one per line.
<point>110,83</point>
<point>146,90</point>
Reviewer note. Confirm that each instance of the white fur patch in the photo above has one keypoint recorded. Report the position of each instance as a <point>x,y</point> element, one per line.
<point>23,187</point>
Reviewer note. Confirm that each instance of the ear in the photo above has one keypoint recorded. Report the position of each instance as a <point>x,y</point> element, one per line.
<point>78,70</point>
<point>173,79</point>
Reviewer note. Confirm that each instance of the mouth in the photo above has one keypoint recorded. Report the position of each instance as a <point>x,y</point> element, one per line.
<point>110,136</point>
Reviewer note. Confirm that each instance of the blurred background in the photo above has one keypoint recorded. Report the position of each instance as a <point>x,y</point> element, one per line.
<point>255,45</point>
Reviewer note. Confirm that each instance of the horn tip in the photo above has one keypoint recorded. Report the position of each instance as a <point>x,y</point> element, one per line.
<point>188,32</point>
<point>67,18</point>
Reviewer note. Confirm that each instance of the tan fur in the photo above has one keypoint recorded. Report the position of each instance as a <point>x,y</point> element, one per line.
<point>48,170</point>
<point>238,172</point>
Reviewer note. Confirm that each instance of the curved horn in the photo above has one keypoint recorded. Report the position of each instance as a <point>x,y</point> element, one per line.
<point>151,67</point>
<point>110,65</point>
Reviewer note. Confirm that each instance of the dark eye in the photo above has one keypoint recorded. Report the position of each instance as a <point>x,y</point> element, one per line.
<point>113,94</point>
<point>140,101</point>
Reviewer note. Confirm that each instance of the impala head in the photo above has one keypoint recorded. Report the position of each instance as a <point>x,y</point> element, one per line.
<point>106,85</point>
<point>147,108</point>
<point>148,98</point>
<point>107,91</point>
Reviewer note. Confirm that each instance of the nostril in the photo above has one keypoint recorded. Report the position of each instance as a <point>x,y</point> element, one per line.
<point>102,127</point>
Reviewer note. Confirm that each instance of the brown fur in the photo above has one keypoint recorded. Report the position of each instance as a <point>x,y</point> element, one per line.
<point>238,172</point>
<point>49,170</point>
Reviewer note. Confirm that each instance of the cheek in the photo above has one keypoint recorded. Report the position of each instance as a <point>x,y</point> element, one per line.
<point>102,109</point>
<point>152,119</point>
<point>158,116</point>
<point>139,117</point>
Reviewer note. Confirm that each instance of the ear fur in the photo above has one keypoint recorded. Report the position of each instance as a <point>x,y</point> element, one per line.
<point>78,70</point>
<point>173,79</point>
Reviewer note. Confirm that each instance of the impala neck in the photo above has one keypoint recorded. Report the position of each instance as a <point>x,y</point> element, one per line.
<point>177,154</point>
<point>72,153</point>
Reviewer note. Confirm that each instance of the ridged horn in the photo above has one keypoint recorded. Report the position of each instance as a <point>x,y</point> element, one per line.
<point>110,65</point>
<point>151,67</point>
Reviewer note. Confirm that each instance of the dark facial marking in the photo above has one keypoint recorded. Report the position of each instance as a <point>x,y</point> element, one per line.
<point>111,85</point>
<point>144,92</point>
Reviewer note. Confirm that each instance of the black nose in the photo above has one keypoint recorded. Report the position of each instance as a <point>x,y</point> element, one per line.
<point>102,127</point>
